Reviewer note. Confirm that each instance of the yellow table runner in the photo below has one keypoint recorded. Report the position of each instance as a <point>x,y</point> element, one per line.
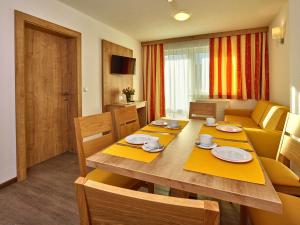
<point>203,161</point>
<point>154,128</point>
<point>240,136</point>
<point>136,153</point>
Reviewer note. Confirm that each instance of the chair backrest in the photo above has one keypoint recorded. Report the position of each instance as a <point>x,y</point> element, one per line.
<point>201,110</point>
<point>289,147</point>
<point>126,121</point>
<point>100,203</point>
<point>93,133</point>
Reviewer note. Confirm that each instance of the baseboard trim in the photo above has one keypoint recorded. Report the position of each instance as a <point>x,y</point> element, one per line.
<point>9,182</point>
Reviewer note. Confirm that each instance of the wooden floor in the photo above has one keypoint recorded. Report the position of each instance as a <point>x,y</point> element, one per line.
<point>47,197</point>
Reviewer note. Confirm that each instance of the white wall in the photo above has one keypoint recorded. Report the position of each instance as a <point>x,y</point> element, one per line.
<point>92,32</point>
<point>279,61</point>
<point>294,54</point>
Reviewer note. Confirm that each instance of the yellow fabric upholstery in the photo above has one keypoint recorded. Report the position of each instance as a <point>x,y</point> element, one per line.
<point>274,117</point>
<point>242,120</point>
<point>265,142</point>
<point>259,111</point>
<point>290,216</point>
<point>110,178</point>
<point>238,112</point>
<point>279,173</point>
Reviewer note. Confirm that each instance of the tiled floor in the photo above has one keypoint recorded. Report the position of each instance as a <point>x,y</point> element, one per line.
<point>47,197</point>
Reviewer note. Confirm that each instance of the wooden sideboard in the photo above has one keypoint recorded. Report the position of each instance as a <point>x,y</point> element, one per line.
<point>141,107</point>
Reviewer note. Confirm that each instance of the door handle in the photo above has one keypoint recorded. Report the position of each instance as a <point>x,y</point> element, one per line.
<point>66,94</point>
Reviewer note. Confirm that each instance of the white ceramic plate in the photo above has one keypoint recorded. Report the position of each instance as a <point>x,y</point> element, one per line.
<point>231,154</point>
<point>206,147</point>
<point>159,123</point>
<point>139,139</point>
<point>228,128</point>
<point>147,149</point>
<point>173,128</point>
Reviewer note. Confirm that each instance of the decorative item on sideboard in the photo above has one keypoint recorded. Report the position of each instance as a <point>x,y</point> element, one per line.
<point>128,92</point>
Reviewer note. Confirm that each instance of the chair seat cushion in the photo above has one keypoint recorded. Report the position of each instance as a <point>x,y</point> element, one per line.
<point>290,216</point>
<point>244,121</point>
<point>111,179</point>
<point>279,173</point>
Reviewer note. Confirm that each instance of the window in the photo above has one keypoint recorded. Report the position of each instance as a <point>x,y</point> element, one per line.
<point>186,75</point>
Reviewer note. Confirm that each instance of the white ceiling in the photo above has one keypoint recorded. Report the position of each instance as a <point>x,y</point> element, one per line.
<point>152,19</point>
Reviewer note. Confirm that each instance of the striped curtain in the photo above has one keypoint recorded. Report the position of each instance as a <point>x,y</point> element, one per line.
<point>239,67</point>
<point>153,74</point>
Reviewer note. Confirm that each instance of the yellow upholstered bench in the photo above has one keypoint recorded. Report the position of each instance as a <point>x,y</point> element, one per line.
<point>290,216</point>
<point>263,125</point>
<point>282,177</point>
<point>244,121</point>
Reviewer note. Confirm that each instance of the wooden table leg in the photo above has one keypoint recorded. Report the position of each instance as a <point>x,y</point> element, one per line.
<point>243,215</point>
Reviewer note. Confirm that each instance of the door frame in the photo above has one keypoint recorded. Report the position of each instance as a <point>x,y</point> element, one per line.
<point>21,20</point>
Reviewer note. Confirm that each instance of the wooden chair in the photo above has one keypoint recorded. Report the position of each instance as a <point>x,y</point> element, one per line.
<point>126,121</point>
<point>202,110</point>
<point>282,177</point>
<point>290,216</point>
<point>99,203</point>
<point>93,133</point>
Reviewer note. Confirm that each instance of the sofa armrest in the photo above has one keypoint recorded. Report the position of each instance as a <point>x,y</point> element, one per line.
<point>238,112</point>
<point>264,141</point>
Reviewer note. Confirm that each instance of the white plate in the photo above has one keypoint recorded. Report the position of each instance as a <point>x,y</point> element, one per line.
<point>147,149</point>
<point>231,154</point>
<point>159,123</point>
<point>228,128</point>
<point>173,128</point>
<point>206,147</point>
<point>211,125</point>
<point>139,139</point>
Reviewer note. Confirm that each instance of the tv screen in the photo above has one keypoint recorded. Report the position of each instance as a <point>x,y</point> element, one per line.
<point>122,65</point>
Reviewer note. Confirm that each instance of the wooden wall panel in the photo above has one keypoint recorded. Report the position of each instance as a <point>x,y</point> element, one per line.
<point>112,85</point>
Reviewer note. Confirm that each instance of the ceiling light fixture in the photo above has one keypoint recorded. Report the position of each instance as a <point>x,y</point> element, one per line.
<point>182,16</point>
<point>170,0</point>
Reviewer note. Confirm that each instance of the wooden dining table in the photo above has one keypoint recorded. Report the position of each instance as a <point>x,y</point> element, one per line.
<point>168,170</point>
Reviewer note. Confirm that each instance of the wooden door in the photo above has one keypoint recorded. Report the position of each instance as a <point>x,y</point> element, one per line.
<point>48,94</point>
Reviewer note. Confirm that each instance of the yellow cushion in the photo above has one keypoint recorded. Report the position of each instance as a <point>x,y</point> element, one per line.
<point>244,121</point>
<point>110,178</point>
<point>259,111</point>
<point>264,141</point>
<point>279,173</point>
<point>290,216</point>
<point>274,117</point>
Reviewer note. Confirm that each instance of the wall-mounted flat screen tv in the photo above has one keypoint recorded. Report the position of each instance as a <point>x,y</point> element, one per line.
<point>122,65</point>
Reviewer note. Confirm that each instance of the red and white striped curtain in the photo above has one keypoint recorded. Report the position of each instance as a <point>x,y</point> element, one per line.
<point>153,74</point>
<point>239,67</point>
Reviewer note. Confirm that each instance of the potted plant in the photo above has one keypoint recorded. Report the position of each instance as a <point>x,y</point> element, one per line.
<point>128,92</point>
